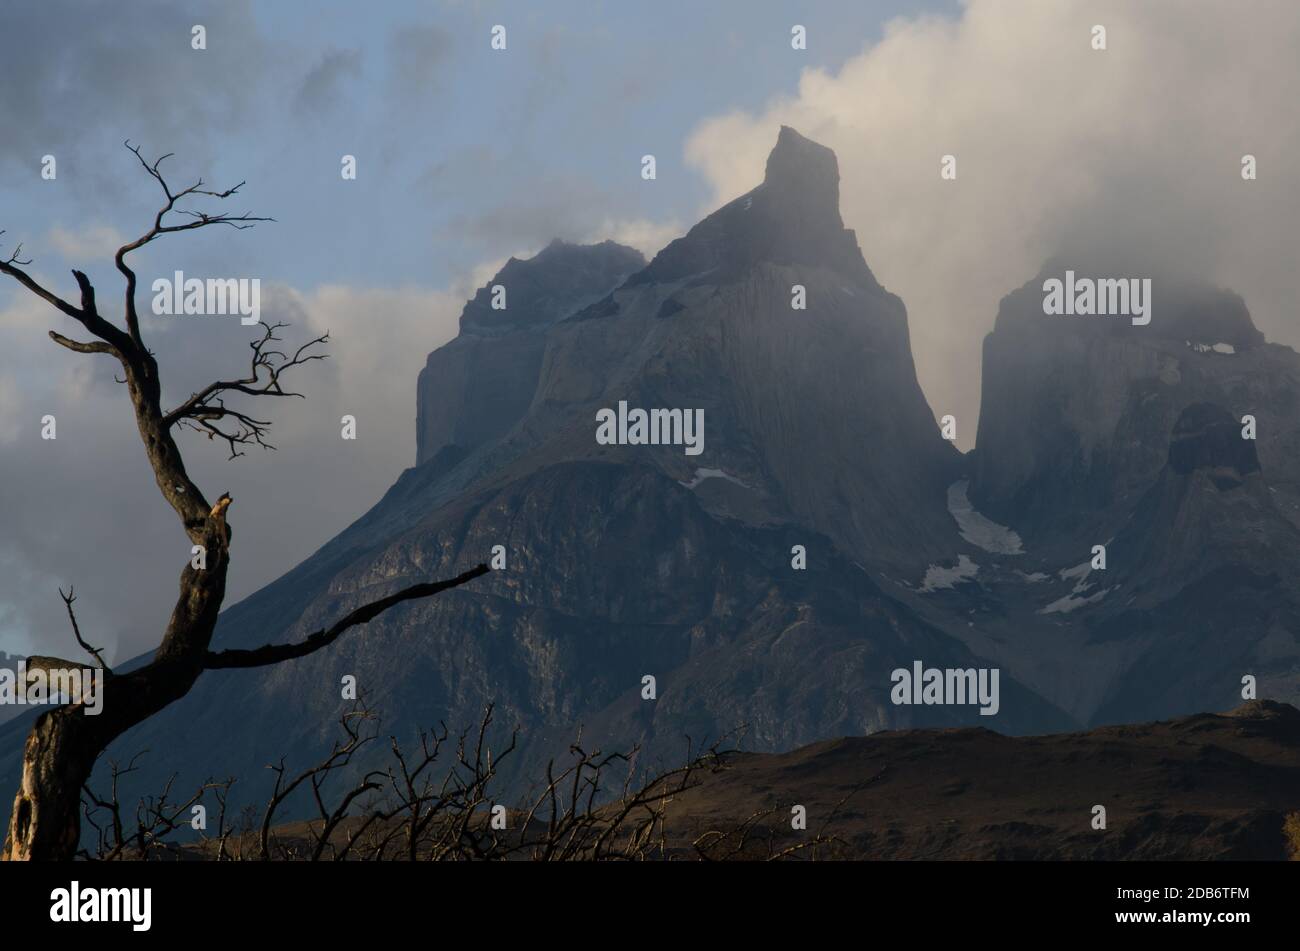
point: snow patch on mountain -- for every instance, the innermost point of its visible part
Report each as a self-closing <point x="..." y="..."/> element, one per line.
<point x="980" y="531"/>
<point x="938" y="577"/>
<point x="1071" y="602"/>
<point x="702" y="474"/>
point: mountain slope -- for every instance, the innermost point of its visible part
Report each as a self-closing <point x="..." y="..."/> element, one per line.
<point x="1206" y="579"/>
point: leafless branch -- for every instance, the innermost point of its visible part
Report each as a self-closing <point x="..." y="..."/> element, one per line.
<point x="156" y="819"/>
<point x="160" y="227"/>
<point x="95" y="652"/>
<point x="277" y="653"/>
<point x="265" y="378"/>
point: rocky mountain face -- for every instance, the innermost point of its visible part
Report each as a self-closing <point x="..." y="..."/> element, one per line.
<point x="1155" y="561"/>
<point x="710" y="324"/>
<point x="1206" y="567"/>
<point x="792" y="528"/>
<point x="1076" y="412"/>
<point x="477" y="387"/>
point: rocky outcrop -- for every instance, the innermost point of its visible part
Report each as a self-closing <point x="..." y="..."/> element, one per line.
<point x="1100" y="433"/>
<point x="1204" y="580"/>
<point x="1207" y="437"/>
<point x="474" y="389"/>
<point x="1076" y="411"/>
<point x="710" y="324"/>
<point x="792" y="218"/>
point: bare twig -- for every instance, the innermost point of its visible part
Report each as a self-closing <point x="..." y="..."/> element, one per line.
<point x="95" y="652"/>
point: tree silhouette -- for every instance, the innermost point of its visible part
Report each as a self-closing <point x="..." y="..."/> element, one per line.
<point x="64" y="743"/>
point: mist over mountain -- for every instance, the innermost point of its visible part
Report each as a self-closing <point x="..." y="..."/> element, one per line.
<point x="825" y="535"/>
<point x="1076" y="417"/>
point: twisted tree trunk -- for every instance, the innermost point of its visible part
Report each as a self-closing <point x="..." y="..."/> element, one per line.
<point x="65" y="742"/>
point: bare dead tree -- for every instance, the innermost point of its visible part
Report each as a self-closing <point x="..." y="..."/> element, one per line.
<point x="157" y="817"/>
<point x="353" y="724"/>
<point x="64" y="743"/>
<point x="407" y="811"/>
<point x="570" y="820"/>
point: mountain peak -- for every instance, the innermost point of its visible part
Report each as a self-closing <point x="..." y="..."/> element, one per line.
<point x="792" y="218"/>
<point x="805" y="170"/>
<point x="546" y="287"/>
<point x="476" y="387"/>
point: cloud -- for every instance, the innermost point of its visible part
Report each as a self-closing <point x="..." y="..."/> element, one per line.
<point x="11" y="400"/>
<point x="416" y="54"/>
<point x="322" y="87"/>
<point x="96" y="241"/>
<point x="1060" y="148"/>
<point x="83" y="510"/>
<point x="81" y="77"/>
<point x="533" y="213"/>
<point x="648" y="237"/>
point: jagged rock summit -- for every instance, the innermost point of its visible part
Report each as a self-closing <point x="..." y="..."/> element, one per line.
<point x="1149" y="473"/>
<point x="792" y="218"/>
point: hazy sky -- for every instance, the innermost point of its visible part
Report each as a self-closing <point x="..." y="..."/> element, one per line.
<point x="468" y="155"/>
